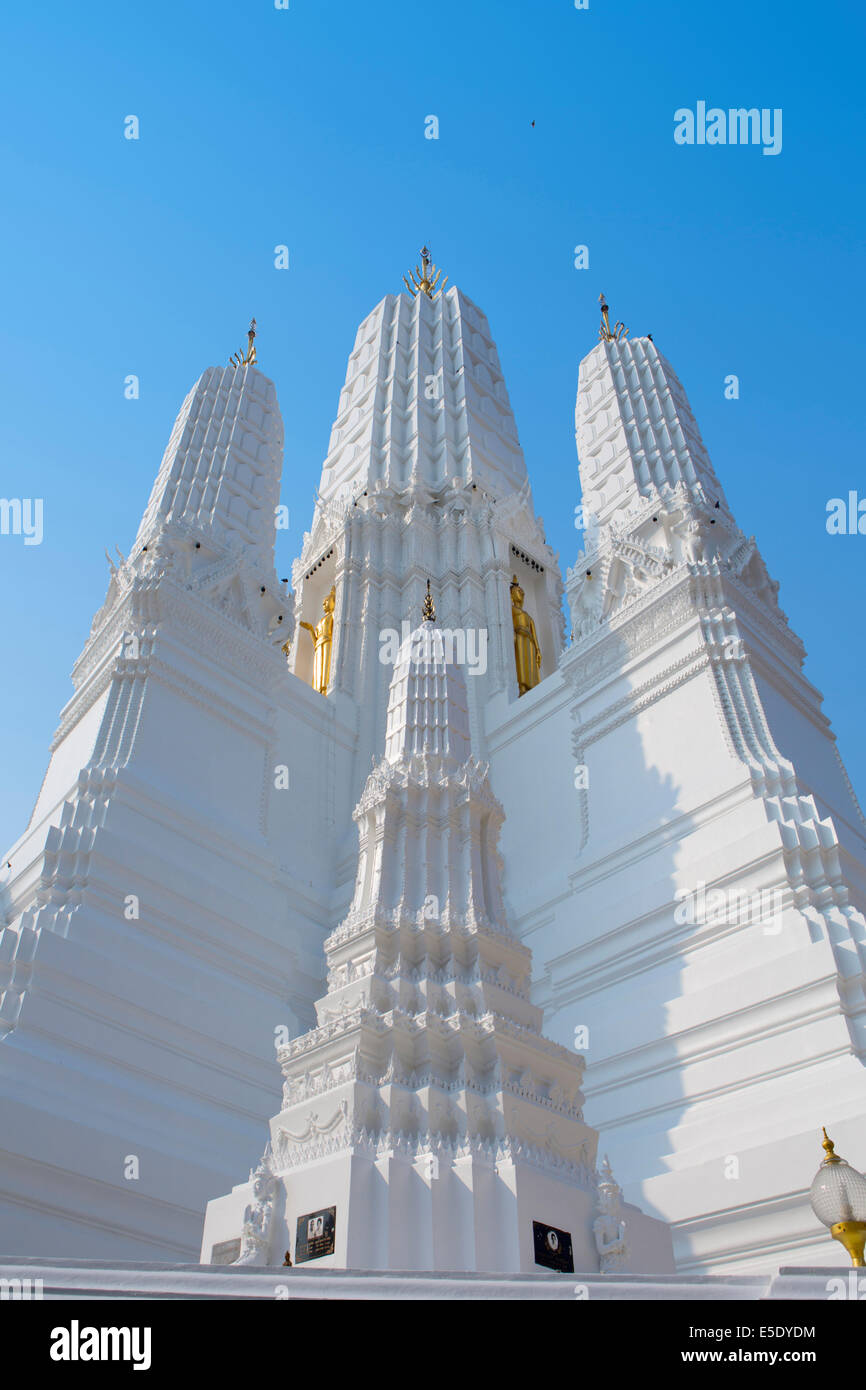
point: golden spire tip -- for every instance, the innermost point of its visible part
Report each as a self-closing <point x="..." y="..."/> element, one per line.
<point x="606" y="333"/>
<point x="424" y="279"/>
<point x="248" y="358"/>
<point x="829" y="1148"/>
<point x="428" y="608"/>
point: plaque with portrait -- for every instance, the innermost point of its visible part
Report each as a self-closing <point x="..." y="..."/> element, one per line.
<point x="553" y="1248"/>
<point x="315" y="1235"/>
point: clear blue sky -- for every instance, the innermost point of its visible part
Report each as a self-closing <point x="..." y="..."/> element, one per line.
<point x="306" y="127"/>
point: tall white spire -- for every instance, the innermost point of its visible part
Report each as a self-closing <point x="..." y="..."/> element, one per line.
<point x="159" y="843"/>
<point x="426" y="1114"/>
<point x="636" y="434"/>
<point x="717" y="866"/>
<point x="650" y="497"/>
<point x="221" y="468"/>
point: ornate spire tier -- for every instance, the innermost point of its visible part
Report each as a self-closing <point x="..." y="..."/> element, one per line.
<point x="428" y="1066"/>
<point x="424" y="402"/>
<point x="220" y="473"/>
<point x="424" y="477"/>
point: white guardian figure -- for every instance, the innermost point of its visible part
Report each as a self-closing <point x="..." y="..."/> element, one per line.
<point x="608" y="1228"/>
<point x="255" y="1237"/>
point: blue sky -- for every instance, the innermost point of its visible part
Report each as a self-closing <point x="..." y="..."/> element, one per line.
<point x="306" y="127"/>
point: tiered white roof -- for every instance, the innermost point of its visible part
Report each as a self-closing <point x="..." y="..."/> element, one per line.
<point x="636" y="433"/>
<point x="221" y="466"/>
<point x="427" y="707"/>
<point x="650" y="495"/>
<point x="424" y="403"/>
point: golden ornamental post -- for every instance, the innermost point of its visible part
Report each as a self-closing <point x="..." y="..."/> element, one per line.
<point x="605" y="332"/>
<point x="424" y="280"/>
<point x="248" y="358"/>
<point x="428" y="608"/>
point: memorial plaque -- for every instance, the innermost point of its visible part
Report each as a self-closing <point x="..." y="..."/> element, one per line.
<point x="226" y="1252"/>
<point x="315" y="1235"/>
<point x="553" y="1247"/>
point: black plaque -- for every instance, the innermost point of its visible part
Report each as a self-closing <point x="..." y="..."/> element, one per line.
<point x="553" y="1247"/>
<point x="315" y="1235"/>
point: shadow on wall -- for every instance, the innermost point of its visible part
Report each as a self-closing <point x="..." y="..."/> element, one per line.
<point x="591" y="846"/>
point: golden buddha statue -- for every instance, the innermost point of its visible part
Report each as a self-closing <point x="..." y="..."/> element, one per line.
<point x="527" y="652"/>
<point x="323" y="640"/>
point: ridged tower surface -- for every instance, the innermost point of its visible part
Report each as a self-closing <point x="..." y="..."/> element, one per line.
<point x="424" y="403"/>
<point x="427" y="1022"/>
<point x="424" y="478"/>
<point x="221" y="467"/>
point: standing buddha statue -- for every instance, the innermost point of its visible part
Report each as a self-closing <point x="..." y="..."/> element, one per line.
<point x="323" y="640"/>
<point x="527" y="652"/>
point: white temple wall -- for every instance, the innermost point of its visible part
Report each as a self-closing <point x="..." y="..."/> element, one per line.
<point x="699" y="1035"/>
<point x="68" y="758"/>
<point x="673" y="745"/>
<point x="811" y="748"/>
<point x="455" y="1243"/>
<point x="227" y="788"/>
<point x="314" y="741"/>
<point x="729" y="1218"/>
<point x="532" y="773"/>
<point x="54" y="1203"/>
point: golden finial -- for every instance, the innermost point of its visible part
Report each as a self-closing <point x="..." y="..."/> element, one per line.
<point x="239" y="359"/>
<point x="428" y="610"/>
<point x="605" y="332"/>
<point x="424" y="281"/>
<point x="829" y="1148"/>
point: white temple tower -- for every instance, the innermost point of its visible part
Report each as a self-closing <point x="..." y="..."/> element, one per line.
<point x="707" y="928"/>
<point x="426" y="1121"/>
<point x="166" y="904"/>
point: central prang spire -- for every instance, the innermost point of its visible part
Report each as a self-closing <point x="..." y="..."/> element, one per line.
<point x="424" y="477"/>
<point x="425" y="1119"/>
